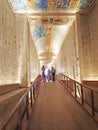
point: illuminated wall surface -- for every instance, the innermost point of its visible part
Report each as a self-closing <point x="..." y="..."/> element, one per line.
<point x="50" y="4"/>
<point x="14" y="32"/>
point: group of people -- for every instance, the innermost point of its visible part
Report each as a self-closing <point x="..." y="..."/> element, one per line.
<point x="48" y="74"/>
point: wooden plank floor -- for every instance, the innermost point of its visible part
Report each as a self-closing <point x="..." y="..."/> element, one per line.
<point x="55" y="109"/>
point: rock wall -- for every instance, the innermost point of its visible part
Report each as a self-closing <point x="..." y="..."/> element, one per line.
<point x="15" y="48"/>
<point x="88" y="44"/>
<point x="78" y="57"/>
<point x="67" y="61"/>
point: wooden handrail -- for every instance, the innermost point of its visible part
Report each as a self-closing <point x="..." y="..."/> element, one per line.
<point x="86" y="86"/>
<point x="81" y="88"/>
<point x="26" y="97"/>
<point x="13" y="112"/>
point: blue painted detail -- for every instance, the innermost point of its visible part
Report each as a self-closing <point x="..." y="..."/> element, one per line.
<point x="83" y="4"/>
<point x="39" y="31"/>
<point x="62" y="4"/>
<point x="41" y="4"/>
<point x="19" y="4"/>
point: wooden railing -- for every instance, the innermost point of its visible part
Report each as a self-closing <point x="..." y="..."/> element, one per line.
<point x="85" y="95"/>
<point x="22" y="108"/>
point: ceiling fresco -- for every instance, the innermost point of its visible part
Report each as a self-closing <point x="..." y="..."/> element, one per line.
<point x="48" y="23"/>
<point x="85" y="4"/>
<point x="48" y="37"/>
<point x="39" y="30"/>
<point x="37" y="5"/>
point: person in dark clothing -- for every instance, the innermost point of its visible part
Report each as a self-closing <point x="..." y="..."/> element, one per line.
<point x="43" y="72"/>
<point x="53" y="71"/>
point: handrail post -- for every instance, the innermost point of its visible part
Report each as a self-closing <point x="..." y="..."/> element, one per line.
<point x="64" y="77"/>
<point x="92" y="102"/>
<point x="4" y="128"/>
<point x="82" y="95"/>
<point x="64" y="81"/>
<point x="75" y="89"/>
<point x="31" y="97"/>
<point x="20" y="125"/>
<point x="67" y="82"/>
<point x="27" y="106"/>
<point x="20" y="118"/>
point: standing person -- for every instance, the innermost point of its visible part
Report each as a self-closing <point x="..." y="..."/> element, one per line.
<point x="43" y="72"/>
<point x="49" y="72"/>
<point x="53" y="71"/>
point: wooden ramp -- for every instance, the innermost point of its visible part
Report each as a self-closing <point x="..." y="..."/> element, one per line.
<point x="55" y="109"/>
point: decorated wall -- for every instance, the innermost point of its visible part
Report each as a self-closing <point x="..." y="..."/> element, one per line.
<point x="34" y="61"/>
<point x="88" y="44"/>
<point x="78" y="57"/>
<point x="67" y="60"/>
<point x="93" y="24"/>
<point x="14" y="47"/>
<point x="84" y="45"/>
<point x="8" y="46"/>
<point x="18" y="51"/>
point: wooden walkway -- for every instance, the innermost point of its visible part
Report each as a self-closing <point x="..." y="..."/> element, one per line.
<point x="55" y="109"/>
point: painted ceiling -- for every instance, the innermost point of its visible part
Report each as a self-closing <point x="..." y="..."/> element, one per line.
<point x="49" y="36"/>
<point x="49" y="28"/>
<point x="36" y="5"/>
